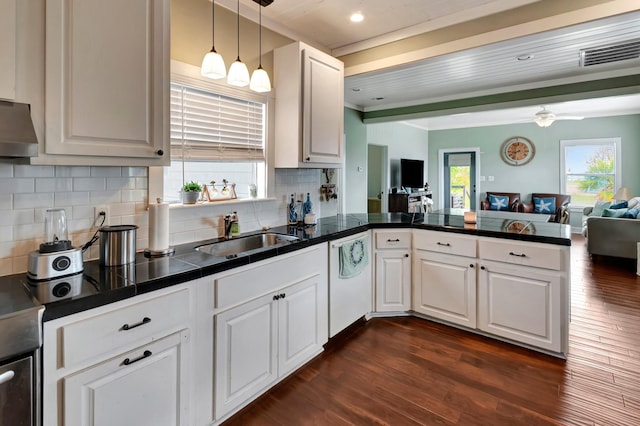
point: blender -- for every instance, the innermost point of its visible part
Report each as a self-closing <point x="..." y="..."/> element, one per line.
<point x="56" y="257"/>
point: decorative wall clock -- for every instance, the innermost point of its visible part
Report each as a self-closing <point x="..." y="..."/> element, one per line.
<point x="517" y="151"/>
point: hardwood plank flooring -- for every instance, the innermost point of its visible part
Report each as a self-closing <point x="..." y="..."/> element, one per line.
<point x="409" y="371"/>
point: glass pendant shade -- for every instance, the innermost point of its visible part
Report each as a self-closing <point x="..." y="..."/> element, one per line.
<point x="260" y="81"/>
<point x="238" y="74"/>
<point x="213" y="65"/>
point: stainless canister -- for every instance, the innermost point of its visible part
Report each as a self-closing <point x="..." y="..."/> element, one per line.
<point x="117" y="245"/>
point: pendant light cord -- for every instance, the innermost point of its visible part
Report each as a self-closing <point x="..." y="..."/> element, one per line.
<point x="238" y="27"/>
<point x="213" y="25"/>
<point x="260" y="37"/>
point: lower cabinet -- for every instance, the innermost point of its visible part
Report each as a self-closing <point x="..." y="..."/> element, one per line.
<point x="265" y="339"/>
<point x="444" y="287"/>
<point x="521" y="304"/>
<point x="126" y="363"/>
<point x="392" y="270"/>
<point x="139" y="387"/>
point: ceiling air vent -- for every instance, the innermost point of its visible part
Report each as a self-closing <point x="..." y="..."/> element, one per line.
<point x="611" y="53"/>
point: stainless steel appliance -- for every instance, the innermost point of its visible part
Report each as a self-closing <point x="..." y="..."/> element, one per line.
<point x="56" y="257"/>
<point x="117" y="245"/>
<point x="20" y="342"/>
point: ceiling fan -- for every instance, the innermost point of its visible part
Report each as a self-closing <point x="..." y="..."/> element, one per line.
<point x="545" y="118"/>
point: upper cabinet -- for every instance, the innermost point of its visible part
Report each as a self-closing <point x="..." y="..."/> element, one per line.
<point x="309" y="107"/>
<point x="107" y="80"/>
<point x="8" y="49"/>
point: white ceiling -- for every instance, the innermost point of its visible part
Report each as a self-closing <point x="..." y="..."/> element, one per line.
<point x="488" y="69"/>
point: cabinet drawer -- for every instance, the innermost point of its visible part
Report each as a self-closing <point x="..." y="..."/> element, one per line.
<point x="445" y="242"/>
<point x="135" y="324"/>
<point x="527" y="254"/>
<point x="244" y="284"/>
<point x="393" y="240"/>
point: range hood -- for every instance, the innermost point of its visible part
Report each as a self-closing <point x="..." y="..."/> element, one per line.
<point x="17" y="135"/>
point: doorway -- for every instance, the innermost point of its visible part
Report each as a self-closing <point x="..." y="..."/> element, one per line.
<point x="458" y="175"/>
<point x="377" y="178"/>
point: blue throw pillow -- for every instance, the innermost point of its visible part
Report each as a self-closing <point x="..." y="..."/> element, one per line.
<point x="631" y="214"/>
<point x="620" y="205"/>
<point x="614" y="212"/>
<point x="544" y="205"/>
<point x="499" y="202"/>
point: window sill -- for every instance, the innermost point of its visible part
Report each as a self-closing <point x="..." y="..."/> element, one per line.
<point x="220" y="203"/>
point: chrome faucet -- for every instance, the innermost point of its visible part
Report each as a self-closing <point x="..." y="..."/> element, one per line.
<point x="229" y="220"/>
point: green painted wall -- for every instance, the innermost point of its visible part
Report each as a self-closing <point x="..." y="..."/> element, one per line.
<point x="542" y="174"/>
<point x="355" y="159"/>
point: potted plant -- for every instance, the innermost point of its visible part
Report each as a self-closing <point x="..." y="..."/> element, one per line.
<point x="191" y="192"/>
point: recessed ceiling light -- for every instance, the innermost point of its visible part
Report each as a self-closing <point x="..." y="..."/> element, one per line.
<point x="524" y="57"/>
<point x="357" y="17"/>
<point x="355" y="89"/>
<point x="379" y="98"/>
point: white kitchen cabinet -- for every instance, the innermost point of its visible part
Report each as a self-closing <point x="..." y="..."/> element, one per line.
<point x="444" y="276"/>
<point x="309" y="121"/>
<point x="107" y="80"/>
<point x="444" y="287"/>
<point x="523" y="292"/>
<point x="8" y="49"/>
<point x="264" y="321"/>
<point x="140" y="387"/>
<point x="133" y="354"/>
<point x="393" y="270"/>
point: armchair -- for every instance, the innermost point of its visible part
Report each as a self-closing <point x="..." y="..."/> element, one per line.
<point x="561" y="212"/>
<point x="513" y="205"/>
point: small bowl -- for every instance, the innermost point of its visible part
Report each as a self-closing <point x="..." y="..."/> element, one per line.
<point x="310" y="219"/>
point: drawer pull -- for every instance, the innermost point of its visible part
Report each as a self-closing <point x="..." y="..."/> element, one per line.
<point x="516" y="254"/>
<point x="443" y="244"/>
<point x="397" y="240"/>
<point x="144" y="355"/>
<point x="145" y="320"/>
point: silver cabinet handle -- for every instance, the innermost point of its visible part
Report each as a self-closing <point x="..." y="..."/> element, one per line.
<point x="6" y="376"/>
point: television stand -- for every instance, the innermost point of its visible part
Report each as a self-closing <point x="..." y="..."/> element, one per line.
<point x="415" y="202"/>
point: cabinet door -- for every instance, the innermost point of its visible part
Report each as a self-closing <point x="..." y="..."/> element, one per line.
<point x="146" y="386"/>
<point x="444" y="287"/>
<point x="323" y="108"/>
<point x="245" y="348"/>
<point x="393" y="281"/>
<point x="522" y="304"/>
<point x="303" y="323"/>
<point x="107" y="79"/>
<point x="8" y="49"/>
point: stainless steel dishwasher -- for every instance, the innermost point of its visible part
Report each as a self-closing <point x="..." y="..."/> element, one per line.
<point x="20" y="342"/>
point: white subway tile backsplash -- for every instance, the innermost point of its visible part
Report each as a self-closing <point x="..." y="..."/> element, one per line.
<point x="134" y="171"/>
<point x="106" y="171"/>
<point x="75" y="171"/>
<point x="6" y="233"/>
<point x="54" y="184"/>
<point x="32" y="201"/>
<point x="6" y="265"/>
<point x="23" y="170"/>
<point x="121" y="183"/>
<point x="28" y="232"/>
<point x="133" y="195"/>
<point x="65" y="199"/>
<point x="6" y="170"/>
<point x="90" y="184"/>
<point x="16" y="185"/>
<point x="104" y="197"/>
<point x="19" y="217"/>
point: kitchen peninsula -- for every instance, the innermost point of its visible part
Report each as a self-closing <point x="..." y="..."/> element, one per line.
<point x="161" y="317"/>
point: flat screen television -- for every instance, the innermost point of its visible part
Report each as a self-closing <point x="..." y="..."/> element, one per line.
<point x="411" y="173"/>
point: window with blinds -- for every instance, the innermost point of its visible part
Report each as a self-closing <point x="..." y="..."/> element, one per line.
<point x="207" y="126"/>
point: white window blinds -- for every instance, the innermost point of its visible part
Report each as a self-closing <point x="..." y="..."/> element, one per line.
<point x="209" y="126"/>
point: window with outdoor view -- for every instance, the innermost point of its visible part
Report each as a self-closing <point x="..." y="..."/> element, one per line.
<point x="590" y="169"/>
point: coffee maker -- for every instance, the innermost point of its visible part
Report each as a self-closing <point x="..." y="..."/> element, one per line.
<point x="56" y="257"/>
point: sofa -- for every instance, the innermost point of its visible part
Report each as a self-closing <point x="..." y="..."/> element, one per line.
<point x="611" y="236"/>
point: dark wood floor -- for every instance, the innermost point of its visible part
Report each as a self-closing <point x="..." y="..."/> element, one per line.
<point x="408" y="371"/>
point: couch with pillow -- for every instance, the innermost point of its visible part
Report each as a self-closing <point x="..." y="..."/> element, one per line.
<point x="613" y="229"/>
<point x="502" y="201"/>
<point x="555" y="205"/>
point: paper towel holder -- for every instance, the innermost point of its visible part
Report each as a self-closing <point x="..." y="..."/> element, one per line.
<point x="169" y="251"/>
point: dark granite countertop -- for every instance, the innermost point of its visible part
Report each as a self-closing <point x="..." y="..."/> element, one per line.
<point x="98" y="286"/>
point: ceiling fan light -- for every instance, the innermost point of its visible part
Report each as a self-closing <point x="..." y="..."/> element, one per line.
<point x="544" y="121"/>
<point x="213" y="65"/>
<point x="238" y="74"/>
<point x="260" y="81"/>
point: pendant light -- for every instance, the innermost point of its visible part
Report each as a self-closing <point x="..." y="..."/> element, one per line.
<point x="238" y="72"/>
<point x="260" y="79"/>
<point x="213" y="65"/>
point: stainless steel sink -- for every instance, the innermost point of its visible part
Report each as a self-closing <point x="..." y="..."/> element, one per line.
<point x="240" y="245"/>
